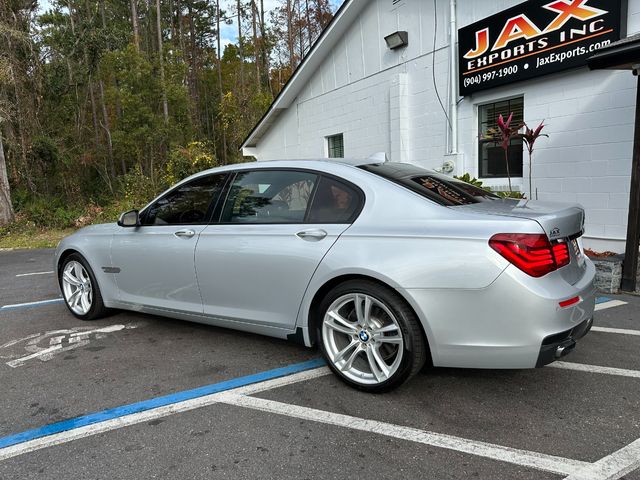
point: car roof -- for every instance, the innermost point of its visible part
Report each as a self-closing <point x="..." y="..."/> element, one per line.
<point x="354" y="162"/>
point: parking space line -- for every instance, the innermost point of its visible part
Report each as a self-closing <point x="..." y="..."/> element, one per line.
<point x="42" y="303"/>
<point x="580" y="367"/>
<point x="609" y="304"/>
<point x="56" y="433"/>
<point x="620" y="331"/>
<point x="515" y="456"/>
<point x="613" y="466"/>
<point x="283" y="381"/>
<point x="32" y="274"/>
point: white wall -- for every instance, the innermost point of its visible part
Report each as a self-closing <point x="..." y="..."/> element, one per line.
<point x="384" y="100"/>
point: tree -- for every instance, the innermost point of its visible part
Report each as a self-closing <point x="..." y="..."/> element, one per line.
<point x="96" y="96"/>
<point x="6" y="208"/>
<point x="165" y="104"/>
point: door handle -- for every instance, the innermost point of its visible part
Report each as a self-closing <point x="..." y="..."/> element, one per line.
<point x="314" y="235"/>
<point x="185" y="233"/>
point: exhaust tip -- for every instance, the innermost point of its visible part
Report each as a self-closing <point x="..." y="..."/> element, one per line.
<point x="565" y="348"/>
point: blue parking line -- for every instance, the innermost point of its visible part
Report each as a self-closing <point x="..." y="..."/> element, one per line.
<point x="21" y="306"/>
<point x="150" y="404"/>
<point x="602" y="300"/>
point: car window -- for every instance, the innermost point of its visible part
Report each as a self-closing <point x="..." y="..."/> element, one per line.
<point x="334" y="202"/>
<point x="188" y="204"/>
<point x="434" y="186"/>
<point x="269" y="196"/>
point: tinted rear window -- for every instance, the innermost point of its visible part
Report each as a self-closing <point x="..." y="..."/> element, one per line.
<point x="434" y="186"/>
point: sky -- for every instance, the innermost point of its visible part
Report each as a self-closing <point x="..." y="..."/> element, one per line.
<point x="229" y="32"/>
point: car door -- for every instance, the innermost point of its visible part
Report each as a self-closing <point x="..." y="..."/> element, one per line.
<point x="155" y="260"/>
<point x="275" y="227"/>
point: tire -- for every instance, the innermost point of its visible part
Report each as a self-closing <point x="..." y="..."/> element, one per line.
<point x="80" y="289"/>
<point x="374" y="352"/>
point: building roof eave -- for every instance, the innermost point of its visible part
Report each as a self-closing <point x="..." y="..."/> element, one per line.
<point x="621" y="55"/>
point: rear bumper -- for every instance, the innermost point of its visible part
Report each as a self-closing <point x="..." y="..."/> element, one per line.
<point x="561" y="344"/>
<point x="505" y="324"/>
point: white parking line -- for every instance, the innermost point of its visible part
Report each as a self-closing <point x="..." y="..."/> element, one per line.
<point x="613" y="466"/>
<point x="282" y="381"/>
<point x="523" y="458"/>
<point x="621" y="331"/>
<point x="41" y="303"/>
<point x="609" y="304"/>
<point x="34" y="273"/>
<point x="580" y="367"/>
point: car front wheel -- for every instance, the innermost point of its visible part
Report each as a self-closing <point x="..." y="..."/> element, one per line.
<point x="80" y="289"/>
<point x="370" y="337"/>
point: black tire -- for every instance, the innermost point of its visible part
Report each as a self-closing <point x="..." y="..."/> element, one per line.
<point x="97" y="309"/>
<point x="413" y="349"/>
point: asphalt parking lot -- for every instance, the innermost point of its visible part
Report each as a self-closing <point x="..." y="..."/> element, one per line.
<point x="138" y="396"/>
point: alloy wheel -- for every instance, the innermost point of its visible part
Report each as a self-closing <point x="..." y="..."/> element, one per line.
<point x="77" y="288"/>
<point x="362" y="338"/>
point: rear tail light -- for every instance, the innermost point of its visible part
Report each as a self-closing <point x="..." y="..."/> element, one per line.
<point x="531" y="253"/>
<point x="561" y="254"/>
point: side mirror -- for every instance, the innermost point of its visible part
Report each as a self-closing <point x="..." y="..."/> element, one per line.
<point x="129" y="219"/>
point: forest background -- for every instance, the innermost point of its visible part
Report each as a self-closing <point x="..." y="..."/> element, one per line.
<point x="103" y="104"/>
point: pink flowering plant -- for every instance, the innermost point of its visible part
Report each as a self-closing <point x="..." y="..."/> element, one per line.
<point x="529" y="137"/>
<point x="507" y="132"/>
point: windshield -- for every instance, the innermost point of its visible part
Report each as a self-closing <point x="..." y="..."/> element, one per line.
<point x="434" y="186"/>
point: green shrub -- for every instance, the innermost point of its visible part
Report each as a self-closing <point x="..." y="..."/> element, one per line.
<point x="185" y="161"/>
<point x="136" y="189"/>
<point x="473" y="181"/>
<point x="47" y="212"/>
<point x="514" y="194"/>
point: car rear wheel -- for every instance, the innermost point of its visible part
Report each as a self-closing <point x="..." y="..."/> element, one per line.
<point x="370" y="337"/>
<point x="80" y="289"/>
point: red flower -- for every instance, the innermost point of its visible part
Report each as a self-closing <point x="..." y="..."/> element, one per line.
<point x="530" y="136"/>
<point x="506" y="131"/>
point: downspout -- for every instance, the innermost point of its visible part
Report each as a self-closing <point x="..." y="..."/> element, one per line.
<point x="453" y="75"/>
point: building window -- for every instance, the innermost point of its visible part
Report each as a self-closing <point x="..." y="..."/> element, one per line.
<point x="490" y="153"/>
<point x="335" y="146"/>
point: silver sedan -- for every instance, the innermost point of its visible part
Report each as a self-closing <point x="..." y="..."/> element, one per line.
<point x="385" y="266"/>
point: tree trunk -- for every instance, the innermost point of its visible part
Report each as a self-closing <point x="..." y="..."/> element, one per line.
<point x="224" y="134"/>
<point x="106" y="125"/>
<point x="300" y="31"/>
<point x="240" y="44"/>
<point x="292" y="65"/>
<point x="94" y="115"/>
<point x="165" y="104"/>
<point x="180" y="34"/>
<point x="265" y="57"/>
<point x="92" y="97"/>
<point x="21" y="129"/>
<point x="310" y="26"/>
<point x="134" y="22"/>
<point x="193" y="71"/>
<point x="173" y="25"/>
<point x="256" y="46"/>
<point x="6" y="209"/>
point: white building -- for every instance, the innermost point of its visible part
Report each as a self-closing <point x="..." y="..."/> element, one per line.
<point x="355" y="96"/>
